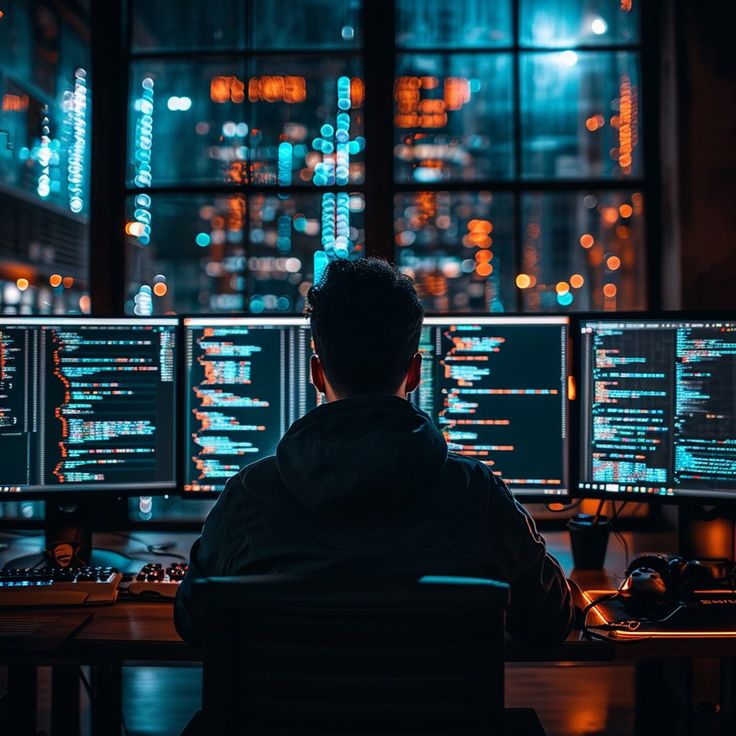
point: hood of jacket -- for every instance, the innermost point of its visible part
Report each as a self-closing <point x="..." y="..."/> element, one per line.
<point x="371" y="455"/>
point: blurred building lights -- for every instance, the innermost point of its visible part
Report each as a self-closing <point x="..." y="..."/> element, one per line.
<point x="626" y="124"/>
<point x="77" y="114"/>
<point x="285" y="158"/>
<point x="276" y="88"/>
<point x="22" y="284"/>
<point x="14" y="103"/>
<point x="227" y="89"/>
<point x="11" y="294"/>
<point x="357" y="91"/>
<point x="595" y="122"/>
<point x="143" y="301"/>
<point x="180" y="104"/>
<point x="456" y="92"/>
<point x="142" y="157"/>
<point x="565" y="299"/>
<point x="576" y="281"/>
<point x="586" y="240"/>
<point x="44" y="154"/>
<point x="598" y="26"/>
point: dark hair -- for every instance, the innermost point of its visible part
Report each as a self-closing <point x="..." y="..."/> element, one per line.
<point x="366" y="321"/>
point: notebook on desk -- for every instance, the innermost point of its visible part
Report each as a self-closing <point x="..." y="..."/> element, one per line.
<point x="706" y="614"/>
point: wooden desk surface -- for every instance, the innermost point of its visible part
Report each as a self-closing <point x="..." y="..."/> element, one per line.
<point x="141" y="630"/>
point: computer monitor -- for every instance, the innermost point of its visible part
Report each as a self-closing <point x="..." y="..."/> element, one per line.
<point x="495" y="386"/>
<point x="658" y="408"/>
<point x="497" y="389"/>
<point x="246" y="381"/>
<point x="87" y="404"/>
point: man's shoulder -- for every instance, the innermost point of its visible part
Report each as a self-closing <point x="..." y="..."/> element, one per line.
<point x="478" y="482"/>
<point x="478" y="474"/>
<point x="256" y="471"/>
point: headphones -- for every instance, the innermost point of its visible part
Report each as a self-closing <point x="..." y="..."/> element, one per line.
<point x="653" y="581"/>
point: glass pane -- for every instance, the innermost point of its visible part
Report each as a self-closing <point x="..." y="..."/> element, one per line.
<point x="459" y="249"/>
<point x="565" y="23"/>
<point x="456" y="25"/>
<point x="580" y="115"/>
<point x="190" y="253"/>
<point x="165" y="25"/>
<point x="18" y="34"/>
<point x="185" y="253"/>
<point x="453" y="117"/>
<point x="285" y="234"/>
<point x="306" y="124"/>
<point x="44" y="130"/>
<point x="307" y="24"/>
<point x="293" y="121"/>
<point x="187" y="122"/>
<point x="582" y="251"/>
<point x="44" y="160"/>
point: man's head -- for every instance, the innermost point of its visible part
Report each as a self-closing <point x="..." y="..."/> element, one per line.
<point x="366" y="321"/>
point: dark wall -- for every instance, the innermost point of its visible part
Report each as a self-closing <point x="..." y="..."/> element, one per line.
<point x="699" y="155"/>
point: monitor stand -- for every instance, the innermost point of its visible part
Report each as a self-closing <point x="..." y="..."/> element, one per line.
<point x="68" y="527"/>
<point x="707" y="532"/>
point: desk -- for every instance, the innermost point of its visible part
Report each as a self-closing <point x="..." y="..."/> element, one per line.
<point x="135" y="631"/>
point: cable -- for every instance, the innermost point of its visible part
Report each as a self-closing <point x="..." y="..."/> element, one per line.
<point x="620" y="509"/>
<point x="602" y="599"/>
<point x="158" y="550"/>
<point x="88" y="689"/>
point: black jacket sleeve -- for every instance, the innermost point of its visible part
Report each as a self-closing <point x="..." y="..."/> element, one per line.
<point x="541" y="611"/>
<point x="223" y="538"/>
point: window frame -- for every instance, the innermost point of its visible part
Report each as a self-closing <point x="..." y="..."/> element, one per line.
<point x="112" y="51"/>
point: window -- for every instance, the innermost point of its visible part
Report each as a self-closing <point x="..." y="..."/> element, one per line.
<point x="514" y="134"/>
<point x="517" y="154"/>
<point x="246" y="153"/>
<point x="44" y="158"/>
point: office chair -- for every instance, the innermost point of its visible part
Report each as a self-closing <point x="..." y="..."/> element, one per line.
<point x="388" y="656"/>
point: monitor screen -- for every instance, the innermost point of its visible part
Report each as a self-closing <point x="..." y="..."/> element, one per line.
<point x="497" y="389"/>
<point x="247" y="380"/>
<point x="658" y="407"/>
<point x="87" y="404"/>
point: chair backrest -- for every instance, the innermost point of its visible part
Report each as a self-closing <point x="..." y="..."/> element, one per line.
<point x="346" y="655"/>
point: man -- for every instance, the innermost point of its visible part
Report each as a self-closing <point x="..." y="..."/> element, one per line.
<point x="365" y="484"/>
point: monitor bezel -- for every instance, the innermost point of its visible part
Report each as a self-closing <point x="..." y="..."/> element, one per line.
<point x="68" y="492"/>
<point x="578" y="319"/>
<point x="563" y="320"/>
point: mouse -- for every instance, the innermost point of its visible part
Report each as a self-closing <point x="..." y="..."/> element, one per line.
<point x="643" y="588"/>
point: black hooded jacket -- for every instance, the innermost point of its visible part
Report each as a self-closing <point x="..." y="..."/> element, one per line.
<point x="366" y="485"/>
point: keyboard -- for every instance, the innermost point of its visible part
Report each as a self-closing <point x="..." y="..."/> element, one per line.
<point x="56" y="586"/>
<point x="156" y="581"/>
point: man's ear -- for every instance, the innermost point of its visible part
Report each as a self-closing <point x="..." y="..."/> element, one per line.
<point x="318" y="374"/>
<point x="414" y="374"/>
